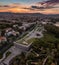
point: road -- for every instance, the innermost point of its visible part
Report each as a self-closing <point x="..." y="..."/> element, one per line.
<point x="45" y="60"/>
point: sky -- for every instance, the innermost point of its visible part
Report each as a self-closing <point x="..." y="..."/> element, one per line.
<point x="30" y="6"/>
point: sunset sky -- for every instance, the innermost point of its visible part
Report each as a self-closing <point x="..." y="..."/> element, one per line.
<point x="30" y="6"/>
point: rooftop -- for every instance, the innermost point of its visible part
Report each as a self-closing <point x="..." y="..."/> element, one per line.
<point x="2" y="38"/>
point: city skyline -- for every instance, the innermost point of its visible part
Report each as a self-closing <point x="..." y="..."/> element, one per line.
<point x="30" y="6"/>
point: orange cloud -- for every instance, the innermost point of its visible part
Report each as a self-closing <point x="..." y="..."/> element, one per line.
<point x="51" y="11"/>
<point x="21" y="8"/>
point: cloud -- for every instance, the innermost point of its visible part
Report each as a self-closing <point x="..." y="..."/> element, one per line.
<point x="40" y="7"/>
<point x="49" y="4"/>
<point x="4" y="6"/>
<point x="43" y="8"/>
<point x="13" y="5"/>
<point x="52" y="1"/>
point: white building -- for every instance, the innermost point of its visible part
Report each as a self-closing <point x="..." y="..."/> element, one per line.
<point x="57" y="24"/>
<point x="24" y="45"/>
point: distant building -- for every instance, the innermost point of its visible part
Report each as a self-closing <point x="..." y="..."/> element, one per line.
<point x="2" y="39"/>
<point x="10" y="32"/>
<point x="8" y="29"/>
<point x="57" y="24"/>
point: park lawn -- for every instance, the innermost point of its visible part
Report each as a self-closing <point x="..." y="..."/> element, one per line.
<point x="49" y="38"/>
<point x="31" y="40"/>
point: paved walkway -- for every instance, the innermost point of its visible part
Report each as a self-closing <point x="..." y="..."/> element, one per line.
<point x="45" y="60"/>
<point x="33" y="33"/>
<point x="15" y="51"/>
